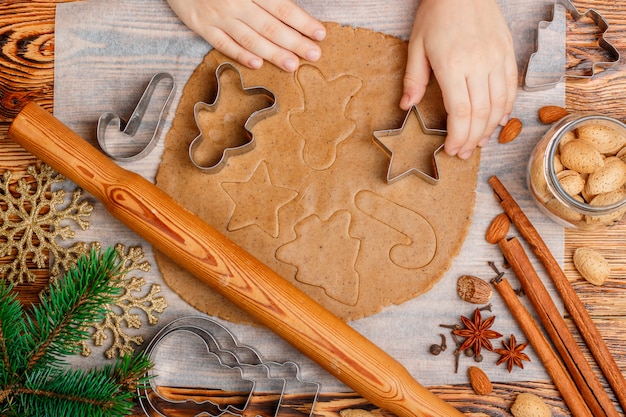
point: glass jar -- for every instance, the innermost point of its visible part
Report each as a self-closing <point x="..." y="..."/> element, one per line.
<point x="581" y="185"/>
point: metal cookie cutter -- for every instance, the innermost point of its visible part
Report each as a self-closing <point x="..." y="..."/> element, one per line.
<point x="230" y="378"/>
<point x="545" y="68"/>
<point x="254" y="118"/>
<point x="113" y="129"/>
<point x="380" y="137"/>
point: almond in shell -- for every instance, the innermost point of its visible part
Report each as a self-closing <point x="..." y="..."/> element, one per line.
<point x="530" y="405"/>
<point x="610" y="177"/>
<point x="581" y="156"/>
<point x="605" y="139"/>
<point x="473" y="289"/>
<point x="354" y="412"/>
<point x="571" y="181"/>
<point x="607" y="199"/>
<point x="567" y="137"/>
<point x="479" y="381"/>
<point x="591" y="265"/>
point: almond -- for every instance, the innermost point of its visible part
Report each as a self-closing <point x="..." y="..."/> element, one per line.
<point x="473" y="289"/>
<point x="498" y="228"/>
<point x="510" y="131"/>
<point x="479" y="381"/>
<point x="551" y="114"/>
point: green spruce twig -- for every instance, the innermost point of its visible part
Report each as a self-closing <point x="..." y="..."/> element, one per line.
<point x="33" y="379"/>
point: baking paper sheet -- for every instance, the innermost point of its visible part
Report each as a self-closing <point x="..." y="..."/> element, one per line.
<point x="107" y="50"/>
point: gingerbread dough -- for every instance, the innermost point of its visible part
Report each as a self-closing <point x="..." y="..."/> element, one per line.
<point x="311" y="200"/>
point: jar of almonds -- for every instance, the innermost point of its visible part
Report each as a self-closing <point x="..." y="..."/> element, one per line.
<point x="577" y="171"/>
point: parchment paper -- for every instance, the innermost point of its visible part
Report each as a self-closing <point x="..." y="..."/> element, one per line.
<point x="106" y="51"/>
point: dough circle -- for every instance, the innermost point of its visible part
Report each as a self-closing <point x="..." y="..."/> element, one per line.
<point x="311" y="200"/>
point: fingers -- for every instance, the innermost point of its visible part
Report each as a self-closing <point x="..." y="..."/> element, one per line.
<point x="275" y="40"/>
<point x="416" y="77"/>
<point x="251" y="31"/>
<point x="456" y="100"/>
<point x="295" y="17"/>
<point x="476" y="104"/>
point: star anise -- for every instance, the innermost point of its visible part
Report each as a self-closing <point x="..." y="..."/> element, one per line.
<point x="512" y="354"/>
<point x="477" y="333"/>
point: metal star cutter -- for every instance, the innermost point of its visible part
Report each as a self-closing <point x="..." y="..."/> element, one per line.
<point x="413" y="148"/>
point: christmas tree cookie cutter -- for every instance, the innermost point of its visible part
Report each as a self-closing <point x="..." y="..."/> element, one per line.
<point x="113" y="129"/>
<point x="245" y="383"/>
<point x="254" y="118"/>
<point x="381" y="138"/>
<point x="546" y="69"/>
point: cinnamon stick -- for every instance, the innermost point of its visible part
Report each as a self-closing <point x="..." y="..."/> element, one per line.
<point x="576" y="308"/>
<point x="540" y="344"/>
<point x="553" y="322"/>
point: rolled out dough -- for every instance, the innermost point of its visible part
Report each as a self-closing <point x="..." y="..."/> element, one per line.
<point x="311" y="199"/>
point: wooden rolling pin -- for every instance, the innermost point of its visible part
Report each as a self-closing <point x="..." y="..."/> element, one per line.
<point x="227" y="268"/>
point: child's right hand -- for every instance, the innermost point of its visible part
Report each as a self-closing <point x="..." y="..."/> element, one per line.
<point x="250" y="32"/>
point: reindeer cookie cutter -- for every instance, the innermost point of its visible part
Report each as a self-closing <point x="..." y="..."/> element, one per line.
<point x="540" y="73"/>
<point x="254" y="118"/>
<point x="112" y="127"/>
<point x="247" y="384"/>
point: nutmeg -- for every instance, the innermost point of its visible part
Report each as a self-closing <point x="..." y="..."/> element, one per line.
<point x="473" y="289"/>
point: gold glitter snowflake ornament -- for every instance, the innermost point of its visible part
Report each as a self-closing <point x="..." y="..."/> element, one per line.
<point x="123" y="314"/>
<point x="33" y="219"/>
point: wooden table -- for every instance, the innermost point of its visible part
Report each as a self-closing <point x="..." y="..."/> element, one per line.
<point x="26" y="73"/>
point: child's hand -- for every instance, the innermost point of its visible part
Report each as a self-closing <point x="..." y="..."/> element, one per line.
<point x="469" y="48"/>
<point x="252" y="31"/>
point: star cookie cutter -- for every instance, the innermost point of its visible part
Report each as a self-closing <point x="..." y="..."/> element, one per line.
<point x="254" y="118"/>
<point x="128" y="129"/>
<point x="263" y="388"/>
<point x="428" y="177"/>
<point x="550" y="65"/>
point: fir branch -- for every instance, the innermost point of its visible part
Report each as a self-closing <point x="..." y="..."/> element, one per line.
<point x="11" y="331"/>
<point x="130" y="371"/>
<point x="32" y="383"/>
<point x="74" y="392"/>
<point x="59" y="323"/>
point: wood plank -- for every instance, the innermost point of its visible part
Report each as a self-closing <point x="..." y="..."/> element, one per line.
<point x="26" y="72"/>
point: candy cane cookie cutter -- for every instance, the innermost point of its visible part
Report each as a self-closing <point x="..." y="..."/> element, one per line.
<point x="111" y="126"/>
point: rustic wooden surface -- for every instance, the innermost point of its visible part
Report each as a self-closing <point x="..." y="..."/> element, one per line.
<point x="26" y="73"/>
